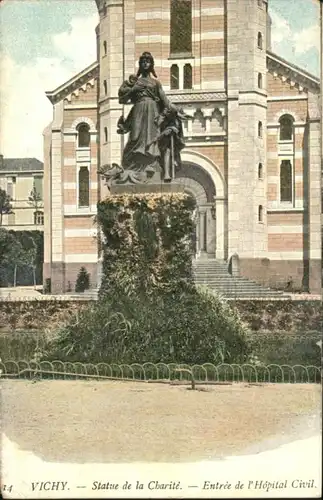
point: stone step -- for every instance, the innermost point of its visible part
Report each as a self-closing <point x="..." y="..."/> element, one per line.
<point x="254" y="293"/>
<point x="230" y="283"/>
<point x="224" y="279"/>
<point x="243" y="288"/>
<point x="214" y="274"/>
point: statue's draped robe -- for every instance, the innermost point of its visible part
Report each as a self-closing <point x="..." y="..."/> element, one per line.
<point x="142" y="148"/>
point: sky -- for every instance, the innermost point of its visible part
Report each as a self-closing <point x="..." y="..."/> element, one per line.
<point x="43" y="43"/>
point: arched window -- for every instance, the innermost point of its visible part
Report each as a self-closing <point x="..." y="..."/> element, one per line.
<point x="259" y="81"/>
<point x="286" y="123"/>
<point x="188" y="76"/>
<point x="259" y="42"/>
<point x="39" y="218"/>
<point x="259" y="129"/>
<point x="260" y="213"/>
<point x="174" y="77"/>
<point x="286" y="181"/>
<point x="84" y="137"/>
<point x="181" y="27"/>
<point x="105" y="48"/>
<point x="84" y="187"/>
<point x="105" y="87"/>
<point x="260" y="171"/>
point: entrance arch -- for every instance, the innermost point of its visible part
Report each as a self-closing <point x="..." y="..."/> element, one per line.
<point x="201" y="179"/>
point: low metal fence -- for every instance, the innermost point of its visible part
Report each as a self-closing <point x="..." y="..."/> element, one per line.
<point x="207" y="373"/>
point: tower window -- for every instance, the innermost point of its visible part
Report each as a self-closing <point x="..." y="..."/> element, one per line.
<point x="181" y="26"/>
<point x="259" y="40"/>
<point x="105" y="134"/>
<point x="260" y="132"/>
<point x="260" y="213"/>
<point x="188" y="76"/>
<point x="84" y="187"/>
<point x="260" y="171"/>
<point x="84" y="137"/>
<point x="286" y="128"/>
<point x="105" y="87"/>
<point x="286" y="181"/>
<point x="174" y="77"/>
<point x="105" y="48"/>
<point x="259" y="81"/>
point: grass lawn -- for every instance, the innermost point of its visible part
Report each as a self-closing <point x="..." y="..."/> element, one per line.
<point x="90" y="421"/>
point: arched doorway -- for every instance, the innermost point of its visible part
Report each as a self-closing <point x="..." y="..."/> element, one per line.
<point x="197" y="182"/>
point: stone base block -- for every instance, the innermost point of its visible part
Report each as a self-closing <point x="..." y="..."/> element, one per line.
<point x="161" y="188"/>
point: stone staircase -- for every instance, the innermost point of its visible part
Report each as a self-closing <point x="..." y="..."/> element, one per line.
<point x="214" y="274"/>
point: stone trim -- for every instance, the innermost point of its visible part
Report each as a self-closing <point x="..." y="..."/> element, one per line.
<point x="81" y="258"/>
<point x="83" y="119"/>
<point x="286" y="111"/>
<point x="287" y="98"/>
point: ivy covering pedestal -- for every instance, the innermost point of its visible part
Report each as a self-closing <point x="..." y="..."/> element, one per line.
<point x="147" y="242"/>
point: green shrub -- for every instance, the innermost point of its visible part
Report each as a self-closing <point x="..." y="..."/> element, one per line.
<point x="284" y="348"/>
<point x="82" y="280"/>
<point x="21" y="345"/>
<point x="184" y="325"/>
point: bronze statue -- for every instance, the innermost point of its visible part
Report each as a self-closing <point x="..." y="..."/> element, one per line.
<point x="154" y="127"/>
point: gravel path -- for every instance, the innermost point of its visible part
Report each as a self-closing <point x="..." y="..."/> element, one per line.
<point x="80" y="421"/>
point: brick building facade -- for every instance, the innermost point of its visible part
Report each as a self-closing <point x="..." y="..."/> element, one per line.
<point x="252" y="157"/>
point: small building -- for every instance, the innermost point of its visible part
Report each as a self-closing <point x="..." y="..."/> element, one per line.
<point x="19" y="177"/>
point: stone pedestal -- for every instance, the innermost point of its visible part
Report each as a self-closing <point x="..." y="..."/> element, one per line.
<point x="149" y="187"/>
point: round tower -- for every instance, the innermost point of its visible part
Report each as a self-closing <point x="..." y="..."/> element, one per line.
<point x="247" y="125"/>
<point x="110" y="54"/>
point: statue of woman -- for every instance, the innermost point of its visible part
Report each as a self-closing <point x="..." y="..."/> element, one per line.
<point x="142" y="152"/>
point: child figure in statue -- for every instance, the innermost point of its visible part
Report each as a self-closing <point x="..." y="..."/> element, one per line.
<point x="171" y="140"/>
<point x="123" y="125"/>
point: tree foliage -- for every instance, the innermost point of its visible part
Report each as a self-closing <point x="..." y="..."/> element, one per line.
<point x="82" y="280"/>
<point x="5" y="244"/>
<point x="22" y="259"/>
<point x="35" y="199"/>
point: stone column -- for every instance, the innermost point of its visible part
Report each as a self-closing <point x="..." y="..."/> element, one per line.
<point x="211" y="232"/>
<point x="47" y="204"/>
<point x="57" y="202"/>
<point x="314" y="197"/>
<point x="202" y="230"/>
<point x="220" y="228"/>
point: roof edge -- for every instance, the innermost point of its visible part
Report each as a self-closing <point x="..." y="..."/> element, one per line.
<point x="303" y="73"/>
<point x="51" y="94"/>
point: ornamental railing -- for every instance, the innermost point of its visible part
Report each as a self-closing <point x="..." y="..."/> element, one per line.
<point x="206" y="373"/>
